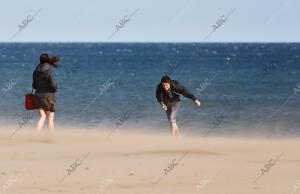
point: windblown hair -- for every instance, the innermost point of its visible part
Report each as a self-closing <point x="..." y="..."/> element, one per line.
<point x="44" y="58"/>
<point x="165" y="79"/>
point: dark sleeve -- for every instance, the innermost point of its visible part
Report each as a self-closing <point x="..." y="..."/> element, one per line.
<point x="158" y="94"/>
<point x="33" y="81"/>
<point x="52" y="81"/>
<point x="183" y="91"/>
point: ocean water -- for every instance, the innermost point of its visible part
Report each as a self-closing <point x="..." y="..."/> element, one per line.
<point x="244" y="88"/>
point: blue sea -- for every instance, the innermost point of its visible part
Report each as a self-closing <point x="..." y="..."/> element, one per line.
<point x="244" y="88"/>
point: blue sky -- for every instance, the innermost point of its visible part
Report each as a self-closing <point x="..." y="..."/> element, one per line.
<point x="153" y="21"/>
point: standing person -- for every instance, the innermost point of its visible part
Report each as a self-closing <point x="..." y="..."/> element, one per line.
<point x="168" y="95"/>
<point x="45" y="87"/>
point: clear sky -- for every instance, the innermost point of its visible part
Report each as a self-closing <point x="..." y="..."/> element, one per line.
<point x="152" y="20"/>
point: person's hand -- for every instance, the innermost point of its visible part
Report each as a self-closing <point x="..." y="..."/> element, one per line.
<point x="164" y="106"/>
<point x="197" y="102"/>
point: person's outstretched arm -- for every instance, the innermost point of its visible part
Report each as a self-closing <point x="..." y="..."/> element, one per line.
<point x="185" y="92"/>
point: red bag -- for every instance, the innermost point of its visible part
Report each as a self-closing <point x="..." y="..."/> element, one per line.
<point x="29" y="101"/>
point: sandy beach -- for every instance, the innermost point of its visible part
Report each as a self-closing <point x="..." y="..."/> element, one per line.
<point x="78" y="161"/>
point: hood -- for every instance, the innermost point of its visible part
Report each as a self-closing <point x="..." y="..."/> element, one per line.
<point x="43" y="67"/>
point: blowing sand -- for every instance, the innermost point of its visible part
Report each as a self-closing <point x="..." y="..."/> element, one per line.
<point x="37" y="162"/>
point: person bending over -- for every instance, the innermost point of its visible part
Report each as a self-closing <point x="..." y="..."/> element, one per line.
<point x="168" y="94"/>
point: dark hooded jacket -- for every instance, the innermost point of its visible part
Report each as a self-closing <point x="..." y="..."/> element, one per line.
<point x="44" y="81"/>
<point x="173" y="94"/>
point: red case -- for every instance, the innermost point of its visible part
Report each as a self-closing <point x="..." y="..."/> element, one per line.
<point x="29" y="102"/>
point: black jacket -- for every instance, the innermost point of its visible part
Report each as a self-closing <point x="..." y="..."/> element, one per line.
<point x="175" y="91"/>
<point x="44" y="81"/>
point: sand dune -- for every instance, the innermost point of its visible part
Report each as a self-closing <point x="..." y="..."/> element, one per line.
<point x="33" y="162"/>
